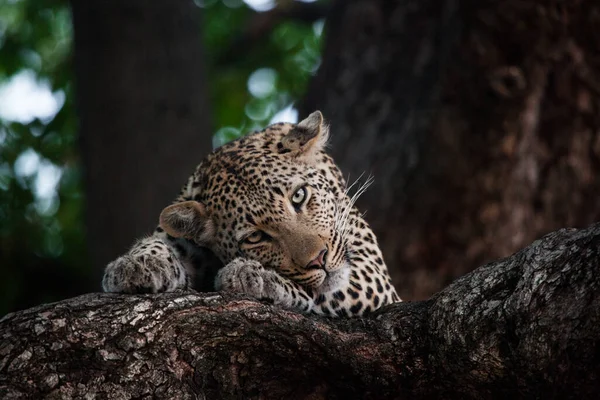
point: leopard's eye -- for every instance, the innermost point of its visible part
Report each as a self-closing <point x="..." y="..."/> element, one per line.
<point x="299" y="196"/>
<point x="255" y="237"/>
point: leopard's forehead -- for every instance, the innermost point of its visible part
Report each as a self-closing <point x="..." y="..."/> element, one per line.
<point x="254" y="171"/>
<point x="259" y="149"/>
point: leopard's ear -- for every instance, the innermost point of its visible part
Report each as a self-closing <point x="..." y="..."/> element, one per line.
<point x="189" y="220"/>
<point x="307" y="138"/>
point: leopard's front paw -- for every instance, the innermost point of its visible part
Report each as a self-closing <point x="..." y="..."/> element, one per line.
<point x="144" y="273"/>
<point x="242" y="276"/>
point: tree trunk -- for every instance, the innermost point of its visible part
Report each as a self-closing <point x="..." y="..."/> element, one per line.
<point x="478" y="119"/>
<point x="527" y="326"/>
<point x="145" y="120"/>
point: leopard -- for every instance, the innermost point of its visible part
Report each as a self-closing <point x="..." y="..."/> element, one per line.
<point x="274" y="208"/>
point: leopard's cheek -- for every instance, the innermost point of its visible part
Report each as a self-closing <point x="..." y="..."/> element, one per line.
<point x="276" y="258"/>
<point x="223" y="252"/>
<point x="266" y="255"/>
<point x="225" y="247"/>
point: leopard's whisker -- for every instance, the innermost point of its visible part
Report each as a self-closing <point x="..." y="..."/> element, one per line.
<point x="342" y="218"/>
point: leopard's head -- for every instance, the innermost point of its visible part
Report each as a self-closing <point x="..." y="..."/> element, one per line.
<point x="274" y="196"/>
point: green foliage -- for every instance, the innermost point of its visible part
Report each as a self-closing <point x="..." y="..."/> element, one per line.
<point x="252" y="79"/>
<point x="40" y="226"/>
<point x="41" y="195"/>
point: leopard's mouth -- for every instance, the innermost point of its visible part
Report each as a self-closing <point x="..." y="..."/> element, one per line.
<point x="315" y="279"/>
<point x="335" y="279"/>
<point x="326" y="280"/>
<point x="332" y="273"/>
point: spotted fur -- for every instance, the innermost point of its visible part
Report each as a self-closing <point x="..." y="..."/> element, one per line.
<point x="275" y="209"/>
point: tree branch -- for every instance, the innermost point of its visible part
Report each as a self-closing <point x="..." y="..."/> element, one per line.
<point x="526" y="326"/>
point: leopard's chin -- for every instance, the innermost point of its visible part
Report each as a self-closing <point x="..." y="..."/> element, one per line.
<point x="335" y="279"/>
<point x="320" y="279"/>
<point x="316" y="280"/>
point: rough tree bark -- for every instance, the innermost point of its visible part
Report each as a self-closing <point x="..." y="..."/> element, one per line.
<point x="478" y="119"/>
<point x="143" y="108"/>
<point x="527" y="326"/>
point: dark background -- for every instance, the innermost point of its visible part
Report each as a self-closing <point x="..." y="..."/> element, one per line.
<point x="478" y="119"/>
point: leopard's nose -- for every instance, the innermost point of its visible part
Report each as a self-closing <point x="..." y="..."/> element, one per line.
<point x="318" y="262"/>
